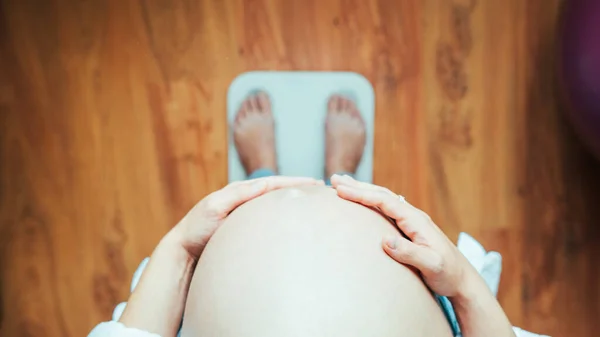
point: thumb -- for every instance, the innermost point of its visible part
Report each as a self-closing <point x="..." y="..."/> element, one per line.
<point x="404" y="251"/>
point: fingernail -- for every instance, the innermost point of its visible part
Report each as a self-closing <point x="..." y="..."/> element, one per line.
<point x="391" y="242"/>
<point x="347" y="177"/>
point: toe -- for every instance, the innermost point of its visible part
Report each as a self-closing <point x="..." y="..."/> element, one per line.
<point x="356" y="113"/>
<point x="334" y="103"/>
<point x="354" y="110"/>
<point x="248" y="105"/>
<point x="263" y="101"/>
<point x="346" y="104"/>
<point x="342" y="104"/>
<point x="241" y="113"/>
<point x="252" y="102"/>
<point x="350" y="105"/>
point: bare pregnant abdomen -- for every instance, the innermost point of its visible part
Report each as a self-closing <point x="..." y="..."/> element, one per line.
<point x="303" y="262"/>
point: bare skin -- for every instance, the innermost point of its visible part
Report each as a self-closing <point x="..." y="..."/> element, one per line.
<point x="305" y="262"/>
<point x="345" y="136"/>
<point x="254" y="135"/>
<point x="328" y="275"/>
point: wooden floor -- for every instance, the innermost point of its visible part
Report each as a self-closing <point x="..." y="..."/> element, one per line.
<point x="113" y="125"/>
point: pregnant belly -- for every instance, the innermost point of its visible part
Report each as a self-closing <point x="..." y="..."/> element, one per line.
<point x="303" y="262"/>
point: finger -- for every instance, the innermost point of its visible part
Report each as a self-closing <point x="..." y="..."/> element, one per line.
<point x="222" y="202"/>
<point x="406" y="218"/>
<point x="402" y="250"/>
<point x="299" y="180"/>
<point x="336" y="180"/>
<point x="239" y="182"/>
<point x="349" y="181"/>
<point x="426" y="217"/>
<point x="275" y="182"/>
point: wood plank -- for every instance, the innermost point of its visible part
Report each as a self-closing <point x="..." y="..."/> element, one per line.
<point x="112" y="125"/>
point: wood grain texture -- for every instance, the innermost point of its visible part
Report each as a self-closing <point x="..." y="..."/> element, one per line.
<point x="113" y="125"/>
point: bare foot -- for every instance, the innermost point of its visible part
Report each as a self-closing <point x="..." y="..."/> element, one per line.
<point x="254" y="133"/>
<point x="345" y="136"/>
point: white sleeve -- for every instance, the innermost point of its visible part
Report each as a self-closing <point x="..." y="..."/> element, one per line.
<point x="523" y="333"/>
<point x="116" y="329"/>
<point x="489" y="266"/>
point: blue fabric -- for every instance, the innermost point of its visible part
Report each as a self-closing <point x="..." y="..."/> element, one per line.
<point x="261" y="173"/>
<point x="448" y="310"/>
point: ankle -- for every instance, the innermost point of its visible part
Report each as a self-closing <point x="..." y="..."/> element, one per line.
<point x="340" y="167"/>
<point x="262" y="165"/>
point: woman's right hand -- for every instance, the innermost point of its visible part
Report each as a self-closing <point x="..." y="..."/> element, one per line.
<point x="196" y="228"/>
<point x="445" y="270"/>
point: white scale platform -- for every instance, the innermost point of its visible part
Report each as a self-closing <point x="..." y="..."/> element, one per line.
<point x="299" y="103"/>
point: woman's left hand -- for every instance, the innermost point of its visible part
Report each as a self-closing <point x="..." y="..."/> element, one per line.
<point x="201" y="222"/>
<point x="443" y="267"/>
